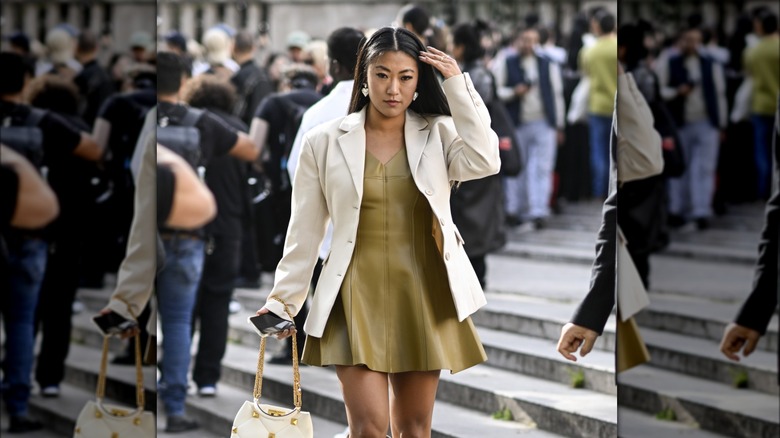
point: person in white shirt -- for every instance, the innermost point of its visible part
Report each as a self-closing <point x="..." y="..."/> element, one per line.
<point x="343" y="45"/>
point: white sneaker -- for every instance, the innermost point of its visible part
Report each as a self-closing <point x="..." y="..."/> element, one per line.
<point x="235" y="307"/>
<point x="207" y="391"/>
<point x="50" y="391"/>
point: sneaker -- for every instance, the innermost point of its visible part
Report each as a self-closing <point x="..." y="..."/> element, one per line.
<point x="207" y="391"/>
<point x="512" y="220"/>
<point x="526" y="227"/>
<point x="50" y="391"/>
<point x="23" y="423"/>
<point x="702" y="223"/>
<point x="540" y="223"/>
<point x="235" y="307"/>
<point x="180" y="423"/>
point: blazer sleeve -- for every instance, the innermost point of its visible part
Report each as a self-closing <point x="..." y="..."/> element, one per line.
<point x="595" y="309"/>
<point x="473" y="153"/>
<point x="308" y="219"/>
<point x="762" y="302"/>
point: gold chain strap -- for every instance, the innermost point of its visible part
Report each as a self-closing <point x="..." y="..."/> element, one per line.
<point x="139" y="374"/>
<point x="296" y="368"/>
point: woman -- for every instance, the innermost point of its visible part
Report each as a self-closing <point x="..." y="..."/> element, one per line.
<point x="397" y="282"/>
<point x="478" y="206"/>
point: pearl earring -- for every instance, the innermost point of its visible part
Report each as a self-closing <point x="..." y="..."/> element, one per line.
<point x="415" y="95"/>
<point x="364" y="90"/>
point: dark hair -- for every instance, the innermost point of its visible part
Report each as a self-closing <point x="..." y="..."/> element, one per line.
<point x="606" y="20"/>
<point x="768" y="21"/>
<point x="431" y="99"/>
<point x="170" y="69"/>
<point x="13" y="72"/>
<point x="469" y="35"/>
<point x="631" y="36"/>
<point x="418" y="18"/>
<point x="343" y="46"/>
<point x="54" y="93"/>
<point x="301" y="76"/>
<point x="87" y="42"/>
<point x="244" y="42"/>
<point x="209" y="91"/>
<point x="544" y="34"/>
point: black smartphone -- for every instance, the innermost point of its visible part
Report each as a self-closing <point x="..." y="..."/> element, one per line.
<point x="269" y="324"/>
<point x="113" y="323"/>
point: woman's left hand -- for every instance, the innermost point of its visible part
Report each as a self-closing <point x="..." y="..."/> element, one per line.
<point x="441" y="61"/>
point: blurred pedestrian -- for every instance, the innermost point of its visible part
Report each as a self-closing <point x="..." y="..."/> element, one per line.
<point x="599" y="63"/>
<point x="296" y="42"/>
<point x="251" y="82"/>
<point x="762" y="65"/>
<point x="177" y="282"/>
<point x="531" y="86"/>
<point x="694" y="87"/>
<point x="226" y="178"/>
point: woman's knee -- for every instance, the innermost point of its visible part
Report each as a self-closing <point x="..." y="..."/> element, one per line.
<point x="412" y="427"/>
<point x="367" y="428"/>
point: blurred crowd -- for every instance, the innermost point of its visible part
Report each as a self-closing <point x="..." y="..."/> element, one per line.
<point x="243" y="109"/>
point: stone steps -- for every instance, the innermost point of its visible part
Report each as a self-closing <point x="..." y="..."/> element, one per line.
<point x="528" y="355"/>
<point x="702" y="358"/>
<point x="478" y="392"/>
<point x="637" y="424"/>
<point x="711" y="406"/>
<point x="684" y="315"/>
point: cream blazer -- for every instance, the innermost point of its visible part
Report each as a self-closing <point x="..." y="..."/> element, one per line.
<point x="329" y="185"/>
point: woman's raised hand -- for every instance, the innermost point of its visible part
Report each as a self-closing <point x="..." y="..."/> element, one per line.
<point x="441" y="61"/>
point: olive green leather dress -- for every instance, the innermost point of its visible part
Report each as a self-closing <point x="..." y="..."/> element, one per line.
<point x="394" y="312"/>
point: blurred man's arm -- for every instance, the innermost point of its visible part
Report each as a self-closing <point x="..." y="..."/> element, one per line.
<point x="36" y="204"/>
<point x="193" y="205"/>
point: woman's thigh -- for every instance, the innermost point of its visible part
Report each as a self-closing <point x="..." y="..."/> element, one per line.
<point x="412" y="395"/>
<point x="366" y="399"/>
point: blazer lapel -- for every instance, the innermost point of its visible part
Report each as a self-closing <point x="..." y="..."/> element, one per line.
<point x="416" y="137"/>
<point x="353" y="146"/>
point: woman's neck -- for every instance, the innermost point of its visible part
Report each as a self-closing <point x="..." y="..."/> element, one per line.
<point x="377" y="122"/>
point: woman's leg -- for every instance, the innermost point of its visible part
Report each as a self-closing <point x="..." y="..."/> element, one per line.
<point x="411" y="403"/>
<point x="366" y="400"/>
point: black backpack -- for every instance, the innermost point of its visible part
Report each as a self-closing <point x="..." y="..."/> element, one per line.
<point x="182" y="137"/>
<point x="25" y="136"/>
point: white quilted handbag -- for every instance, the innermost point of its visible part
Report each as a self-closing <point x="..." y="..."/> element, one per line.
<point x="257" y="420"/>
<point x="99" y="420"/>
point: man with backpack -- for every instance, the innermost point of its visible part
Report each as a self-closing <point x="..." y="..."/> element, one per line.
<point x="41" y="137"/>
<point x="279" y="115"/>
<point x="197" y="136"/>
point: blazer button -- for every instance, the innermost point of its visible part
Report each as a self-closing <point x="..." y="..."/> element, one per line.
<point x="429" y="192"/>
<point x="447" y="256"/>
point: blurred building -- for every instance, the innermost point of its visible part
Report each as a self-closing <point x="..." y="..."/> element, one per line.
<point x="118" y="19"/>
<point x="319" y="17"/>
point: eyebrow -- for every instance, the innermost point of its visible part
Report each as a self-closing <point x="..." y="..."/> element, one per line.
<point x="387" y="69"/>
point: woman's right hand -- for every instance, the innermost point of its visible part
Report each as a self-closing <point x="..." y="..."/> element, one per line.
<point x="281" y="335"/>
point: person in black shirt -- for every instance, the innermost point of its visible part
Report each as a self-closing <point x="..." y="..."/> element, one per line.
<point x="27" y="250"/>
<point x="252" y="82"/>
<point x="94" y="83"/>
<point x="226" y="177"/>
<point x="177" y="282"/>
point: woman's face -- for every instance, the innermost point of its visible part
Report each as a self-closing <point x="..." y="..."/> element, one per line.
<point x="392" y="81"/>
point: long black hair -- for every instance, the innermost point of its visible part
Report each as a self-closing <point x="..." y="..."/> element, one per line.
<point x="469" y="35"/>
<point x="430" y="100"/>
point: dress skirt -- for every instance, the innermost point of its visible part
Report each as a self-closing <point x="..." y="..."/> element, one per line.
<point x="394" y="312"/>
